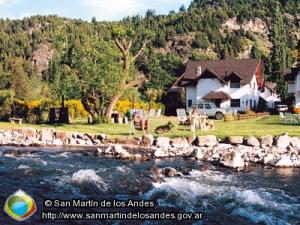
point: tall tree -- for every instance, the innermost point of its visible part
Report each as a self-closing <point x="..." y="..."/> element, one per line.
<point x="129" y="77"/>
<point x="279" y="50"/>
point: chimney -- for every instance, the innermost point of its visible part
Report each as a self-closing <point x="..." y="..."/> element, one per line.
<point x="199" y="70"/>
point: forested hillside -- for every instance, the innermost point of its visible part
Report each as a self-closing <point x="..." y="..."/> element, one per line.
<point x="101" y="62"/>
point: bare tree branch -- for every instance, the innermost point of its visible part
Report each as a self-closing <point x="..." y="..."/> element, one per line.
<point x="141" y="50"/>
<point x="120" y="46"/>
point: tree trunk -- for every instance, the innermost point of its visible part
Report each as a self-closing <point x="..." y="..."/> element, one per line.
<point x="111" y="106"/>
<point x="86" y="106"/>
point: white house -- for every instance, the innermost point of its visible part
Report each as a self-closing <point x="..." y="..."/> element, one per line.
<point x="269" y="95"/>
<point x="230" y="84"/>
<point x="293" y="78"/>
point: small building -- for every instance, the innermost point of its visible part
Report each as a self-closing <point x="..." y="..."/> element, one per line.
<point x="230" y="84"/>
<point x="292" y="76"/>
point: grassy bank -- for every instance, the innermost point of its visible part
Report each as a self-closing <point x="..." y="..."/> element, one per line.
<point x="257" y="127"/>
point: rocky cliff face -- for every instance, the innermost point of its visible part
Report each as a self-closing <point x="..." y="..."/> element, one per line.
<point x="42" y="56"/>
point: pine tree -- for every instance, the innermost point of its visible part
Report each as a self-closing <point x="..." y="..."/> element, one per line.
<point x="279" y="51"/>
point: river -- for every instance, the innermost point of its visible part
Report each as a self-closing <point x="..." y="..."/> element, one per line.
<point x="259" y="195"/>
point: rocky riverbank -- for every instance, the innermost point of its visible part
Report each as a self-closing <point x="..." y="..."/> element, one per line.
<point x="234" y="152"/>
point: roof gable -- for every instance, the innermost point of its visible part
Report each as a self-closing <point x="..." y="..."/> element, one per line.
<point x="244" y="68"/>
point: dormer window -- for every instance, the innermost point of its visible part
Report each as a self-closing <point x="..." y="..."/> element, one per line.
<point x="235" y="83"/>
<point x="235" y="80"/>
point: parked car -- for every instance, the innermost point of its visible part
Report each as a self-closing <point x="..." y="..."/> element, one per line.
<point x="282" y="108"/>
<point x="211" y="110"/>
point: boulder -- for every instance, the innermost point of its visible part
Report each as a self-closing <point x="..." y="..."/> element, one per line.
<point x="147" y="140"/>
<point x="125" y="155"/>
<point x="118" y="149"/>
<point x="192" y="139"/>
<point x="197" y="153"/>
<point x="138" y="157"/>
<point x="29" y="132"/>
<point x="209" y="140"/>
<point x="169" y="172"/>
<point x="295" y="142"/>
<point x="252" y="141"/>
<point x="58" y="142"/>
<point x="101" y="137"/>
<point x="80" y="142"/>
<point x="284" y="162"/>
<point x="163" y="142"/>
<point x="180" y="143"/>
<point x="233" y="160"/>
<point x="266" y="140"/>
<point x="46" y="135"/>
<point x="235" y="140"/>
<point x="108" y="150"/>
<point x="64" y="136"/>
<point x="269" y="158"/>
<point x="283" y="141"/>
<point x="160" y="153"/>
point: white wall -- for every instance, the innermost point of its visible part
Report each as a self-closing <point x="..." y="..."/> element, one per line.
<point x="291" y="87"/>
<point x="297" y="90"/>
<point x="270" y="97"/>
<point x="244" y="93"/>
<point x="191" y="94"/>
<point x="205" y="86"/>
<point x="297" y="82"/>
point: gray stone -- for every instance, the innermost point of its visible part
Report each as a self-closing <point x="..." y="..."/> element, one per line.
<point x="209" y="140"/>
<point x="163" y="142"/>
<point x="284" y="162"/>
<point x="64" y="136"/>
<point x="138" y="157"/>
<point x="160" y="153"/>
<point x="118" y="149"/>
<point x="180" y="143"/>
<point x="148" y="140"/>
<point x="283" y="141"/>
<point x="233" y="160"/>
<point x="235" y="140"/>
<point x="266" y="140"/>
<point x="197" y="153"/>
<point x="295" y="142"/>
<point x="169" y="172"/>
<point x="58" y="142"/>
<point x="46" y="135"/>
<point x="29" y="132"/>
<point x="269" y="158"/>
<point x="125" y="155"/>
<point x="252" y="141"/>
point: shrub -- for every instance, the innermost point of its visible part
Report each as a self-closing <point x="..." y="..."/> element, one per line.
<point x="229" y="117"/>
<point x="296" y="110"/>
<point x="6" y="102"/>
<point x="249" y="112"/>
<point x="76" y="109"/>
<point x="124" y="106"/>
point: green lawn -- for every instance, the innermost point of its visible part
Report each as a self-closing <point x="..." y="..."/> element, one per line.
<point x="257" y="127"/>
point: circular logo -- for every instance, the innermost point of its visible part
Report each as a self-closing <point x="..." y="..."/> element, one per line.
<point x="20" y="206"/>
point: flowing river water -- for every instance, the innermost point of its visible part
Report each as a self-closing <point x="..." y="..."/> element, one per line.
<point x="259" y="195"/>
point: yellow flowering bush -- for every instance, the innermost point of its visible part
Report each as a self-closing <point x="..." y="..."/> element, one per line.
<point x="76" y="108"/>
<point x="124" y="106"/>
<point x="296" y="110"/>
<point x="37" y="107"/>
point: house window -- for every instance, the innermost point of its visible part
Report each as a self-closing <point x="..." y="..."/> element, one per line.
<point x="235" y="84"/>
<point x="190" y="103"/>
<point x="235" y="103"/>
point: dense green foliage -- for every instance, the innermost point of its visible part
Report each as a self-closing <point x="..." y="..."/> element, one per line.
<point x="86" y="58"/>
